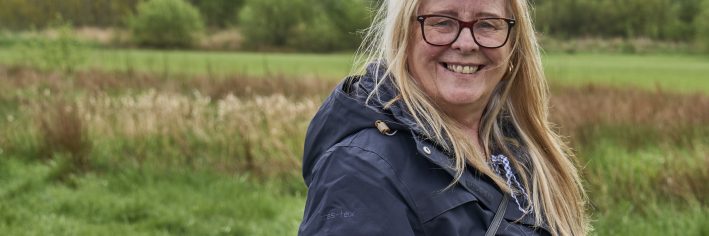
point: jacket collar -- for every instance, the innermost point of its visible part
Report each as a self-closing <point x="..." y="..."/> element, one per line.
<point x="480" y="186"/>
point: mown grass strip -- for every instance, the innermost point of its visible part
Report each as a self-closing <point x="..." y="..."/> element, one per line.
<point x="676" y="72"/>
<point x="673" y="72"/>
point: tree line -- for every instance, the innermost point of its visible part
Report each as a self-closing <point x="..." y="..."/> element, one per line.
<point x="656" y="19"/>
<point x="26" y="14"/>
<point x="328" y="25"/>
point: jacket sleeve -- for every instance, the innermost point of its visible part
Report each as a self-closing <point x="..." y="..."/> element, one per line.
<point x="355" y="192"/>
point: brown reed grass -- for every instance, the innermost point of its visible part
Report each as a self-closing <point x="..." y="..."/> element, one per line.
<point x="578" y="109"/>
<point x="257" y="124"/>
<point x="673" y="127"/>
<point x="261" y="135"/>
<point x="95" y="81"/>
<point x="63" y="133"/>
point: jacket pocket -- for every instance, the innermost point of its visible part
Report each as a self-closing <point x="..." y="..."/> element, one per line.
<point x="440" y="202"/>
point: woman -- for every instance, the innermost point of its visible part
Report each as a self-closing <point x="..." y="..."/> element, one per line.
<point x="446" y="132"/>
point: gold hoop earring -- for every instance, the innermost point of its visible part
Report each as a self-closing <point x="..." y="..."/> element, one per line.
<point x="512" y="66"/>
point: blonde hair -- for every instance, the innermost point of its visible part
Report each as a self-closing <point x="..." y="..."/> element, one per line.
<point x="554" y="184"/>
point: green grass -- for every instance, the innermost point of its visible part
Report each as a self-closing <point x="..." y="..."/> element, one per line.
<point x="642" y="191"/>
<point x="330" y="66"/>
<point x="658" y="219"/>
<point x="151" y="201"/>
<point x="682" y="73"/>
<point x="141" y="202"/>
<point x="642" y="178"/>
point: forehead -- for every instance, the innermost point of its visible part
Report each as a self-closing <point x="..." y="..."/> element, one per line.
<point x="465" y="9"/>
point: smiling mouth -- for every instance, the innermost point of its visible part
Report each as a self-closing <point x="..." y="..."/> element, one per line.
<point x="462" y="69"/>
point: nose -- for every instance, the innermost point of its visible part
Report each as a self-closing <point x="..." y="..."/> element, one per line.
<point x="465" y="41"/>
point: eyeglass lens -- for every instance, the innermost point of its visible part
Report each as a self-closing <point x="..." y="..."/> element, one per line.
<point x="490" y="33"/>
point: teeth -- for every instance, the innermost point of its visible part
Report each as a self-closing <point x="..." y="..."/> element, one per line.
<point x="463" y="69"/>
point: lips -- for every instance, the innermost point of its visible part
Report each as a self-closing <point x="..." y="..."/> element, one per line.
<point x="462" y="69"/>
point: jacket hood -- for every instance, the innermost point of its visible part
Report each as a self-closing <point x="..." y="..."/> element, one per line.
<point x="347" y="111"/>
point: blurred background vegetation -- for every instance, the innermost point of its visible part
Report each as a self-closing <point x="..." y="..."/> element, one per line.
<point x="329" y="25"/>
<point x="177" y="117"/>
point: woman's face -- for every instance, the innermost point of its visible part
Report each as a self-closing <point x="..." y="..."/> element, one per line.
<point x="459" y="77"/>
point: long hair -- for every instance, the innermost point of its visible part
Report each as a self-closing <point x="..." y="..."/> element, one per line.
<point x="520" y="100"/>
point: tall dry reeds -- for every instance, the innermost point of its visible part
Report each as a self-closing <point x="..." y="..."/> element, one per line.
<point x="257" y="125"/>
<point x="95" y="81"/>
<point x="580" y="111"/>
<point x="636" y="145"/>
<point x="260" y="135"/>
<point x="62" y="130"/>
<point x="234" y="124"/>
<point x="63" y="139"/>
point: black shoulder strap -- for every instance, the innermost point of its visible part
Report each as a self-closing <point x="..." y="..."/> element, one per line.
<point x="498" y="216"/>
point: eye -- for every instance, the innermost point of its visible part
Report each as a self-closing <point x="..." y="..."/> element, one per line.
<point x="490" y="25"/>
<point x="440" y="22"/>
<point x="486" y="25"/>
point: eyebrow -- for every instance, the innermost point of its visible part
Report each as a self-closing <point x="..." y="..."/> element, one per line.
<point x="455" y="14"/>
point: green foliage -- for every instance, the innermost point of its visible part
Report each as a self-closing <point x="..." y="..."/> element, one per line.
<point x="309" y="25"/>
<point x="318" y="33"/>
<point x="9" y="39"/>
<point x="657" y="19"/>
<point x="702" y="26"/>
<point x="166" y="24"/>
<point x="271" y="22"/>
<point x="219" y="13"/>
<point x="63" y="53"/>
<point x="23" y="14"/>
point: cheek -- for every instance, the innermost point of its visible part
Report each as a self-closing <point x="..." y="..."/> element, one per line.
<point x="499" y="59"/>
<point x="429" y="61"/>
<point x="497" y="56"/>
<point x="422" y="51"/>
<point x="423" y="58"/>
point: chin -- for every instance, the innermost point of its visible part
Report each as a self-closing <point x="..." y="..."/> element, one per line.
<point x="462" y="98"/>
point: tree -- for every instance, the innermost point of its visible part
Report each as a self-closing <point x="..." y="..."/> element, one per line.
<point x="312" y="25"/>
<point x="219" y="13"/>
<point x="271" y="22"/>
<point x="166" y="24"/>
<point x="701" y="23"/>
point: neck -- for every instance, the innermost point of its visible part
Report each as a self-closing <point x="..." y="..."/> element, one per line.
<point x="467" y="116"/>
<point x="469" y="120"/>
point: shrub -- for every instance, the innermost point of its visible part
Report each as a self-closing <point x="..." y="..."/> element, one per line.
<point x="218" y="13"/>
<point x="270" y="22"/>
<point x="63" y="53"/>
<point x="701" y="24"/>
<point x="166" y="24"/>
<point x="317" y="34"/>
<point x="309" y="25"/>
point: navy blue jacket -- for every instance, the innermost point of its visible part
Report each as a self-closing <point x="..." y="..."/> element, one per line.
<point x="363" y="182"/>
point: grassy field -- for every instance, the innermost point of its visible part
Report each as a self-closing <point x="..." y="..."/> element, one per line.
<point x="670" y="72"/>
<point x="203" y="63"/>
<point x="683" y="73"/>
<point x="140" y="202"/>
<point x="147" y="152"/>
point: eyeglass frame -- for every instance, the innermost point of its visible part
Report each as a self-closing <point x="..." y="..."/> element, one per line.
<point x="466" y="24"/>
